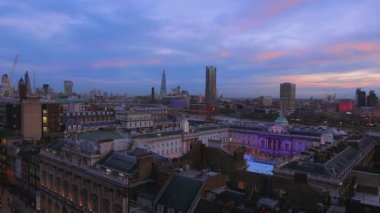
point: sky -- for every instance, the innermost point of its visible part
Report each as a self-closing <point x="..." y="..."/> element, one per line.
<point x="322" y="46"/>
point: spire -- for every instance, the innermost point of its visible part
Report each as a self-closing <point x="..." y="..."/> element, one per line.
<point x="163" y="84"/>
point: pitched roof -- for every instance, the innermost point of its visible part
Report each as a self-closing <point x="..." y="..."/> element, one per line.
<point x="57" y="146"/>
<point x="102" y="135"/>
<point x="120" y="162"/>
<point x="180" y="193"/>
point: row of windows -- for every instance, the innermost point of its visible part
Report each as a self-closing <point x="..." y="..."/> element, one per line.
<point x="88" y="113"/>
<point x="140" y="124"/>
<point x="167" y="144"/>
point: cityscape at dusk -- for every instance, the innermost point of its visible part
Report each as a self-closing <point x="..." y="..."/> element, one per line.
<point x="122" y="46"/>
<point x="261" y="106"/>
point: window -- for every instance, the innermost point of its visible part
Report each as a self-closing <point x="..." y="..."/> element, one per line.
<point x="241" y="185"/>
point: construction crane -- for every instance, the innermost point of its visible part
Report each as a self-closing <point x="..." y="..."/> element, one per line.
<point x="10" y="88"/>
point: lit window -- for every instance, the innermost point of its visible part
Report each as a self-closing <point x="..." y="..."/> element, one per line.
<point x="241" y="185"/>
<point x="44" y="119"/>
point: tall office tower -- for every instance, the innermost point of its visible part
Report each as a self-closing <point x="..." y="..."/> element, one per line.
<point x="22" y="90"/>
<point x="68" y="87"/>
<point x="153" y="99"/>
<point x="360" y="98"/>
<point x="210" y="93"/>
<point x="45" y="88"/>
<point x="28" y="84"/>
<point x="163" y="85"/>
<point x="287" y="98"/>
<point x="372" y="99"/>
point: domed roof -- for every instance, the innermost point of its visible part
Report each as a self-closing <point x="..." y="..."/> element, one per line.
<point x="281" y="120"/>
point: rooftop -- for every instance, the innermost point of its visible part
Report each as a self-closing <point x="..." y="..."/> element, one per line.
<point x="180" y="193"/>
<point x="103" y="135"/>
<point x="120" y="162"/>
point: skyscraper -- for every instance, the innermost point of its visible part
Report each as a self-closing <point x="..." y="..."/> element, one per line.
<point x="22" y="90"/>
<point x="163" y="85"/>
<point x="287" y="98"/>
<point x="360" y="98"/>
<point x="153" y="98"/>
<point x="68" y="87"/>
<point x="45" y="88"/>
<point x="210" y="93"/>
<point x="28" y="84"/>
<point x="372" y="99"/>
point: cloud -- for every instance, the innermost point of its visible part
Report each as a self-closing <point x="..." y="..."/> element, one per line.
<point x="255" y="15"/>
<point x="268" y="56"/>
<point x="41" y="26"/>
<point x="353" y="47"/>
<point x="343" y="80"/>
<point x="123" y="63"/>
<point x="225" y="53"/>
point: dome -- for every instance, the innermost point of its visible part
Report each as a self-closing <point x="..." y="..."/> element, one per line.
<point x="281" y="120"/>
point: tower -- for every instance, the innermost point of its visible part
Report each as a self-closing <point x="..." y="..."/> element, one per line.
<point x="22" y="89"/>
<point x="28" y="84"/>
<point x="287" y="98"/>
<point x="360" y="98"/>
<point x="152" y="95"/>
<point x="68" y="87"/>
<point x="163" y="85"/>
<point x="210" y="92"/>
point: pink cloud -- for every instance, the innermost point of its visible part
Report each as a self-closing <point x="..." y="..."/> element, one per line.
<point x="225" y="53"/>
<point x="269" y="11"/>
<point x="268" y="56"/>
<point x="352" y="46"/>
<point x="331" y="53"/>
<point x="344" y="80"/>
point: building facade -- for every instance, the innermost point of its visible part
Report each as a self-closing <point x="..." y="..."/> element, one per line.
<point x="360" y="98"/>
<point x="93" y="173"/>
<point x="287" y="98"/>
<point x="163" y="85"/>
<point x="31" y="121"/>
<point x="68" y="87"/>
<point x="210" y="93"/>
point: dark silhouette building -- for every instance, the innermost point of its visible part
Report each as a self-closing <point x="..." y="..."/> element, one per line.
<point x="210" y="92"/>
<point x="152" y="96"/>
<point x="360" y="98"/>
<point x="28" y="84"/>
<point x="22" y="89"/>
<point x="372" y="99"/>
<point x="163" y="85"/>
<point x="68" y="87"/>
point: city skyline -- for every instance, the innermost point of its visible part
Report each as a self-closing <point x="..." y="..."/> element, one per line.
<point x="255" y="46"/>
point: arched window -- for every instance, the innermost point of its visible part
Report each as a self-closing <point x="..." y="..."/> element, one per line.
<point x="105" y="206"/>
<point x="84" y="198"/>
<point x="74" y="191"/>
<point x="66" y="189"/>
<point x="58" y="185"/>
<point x="94" y="202"/>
